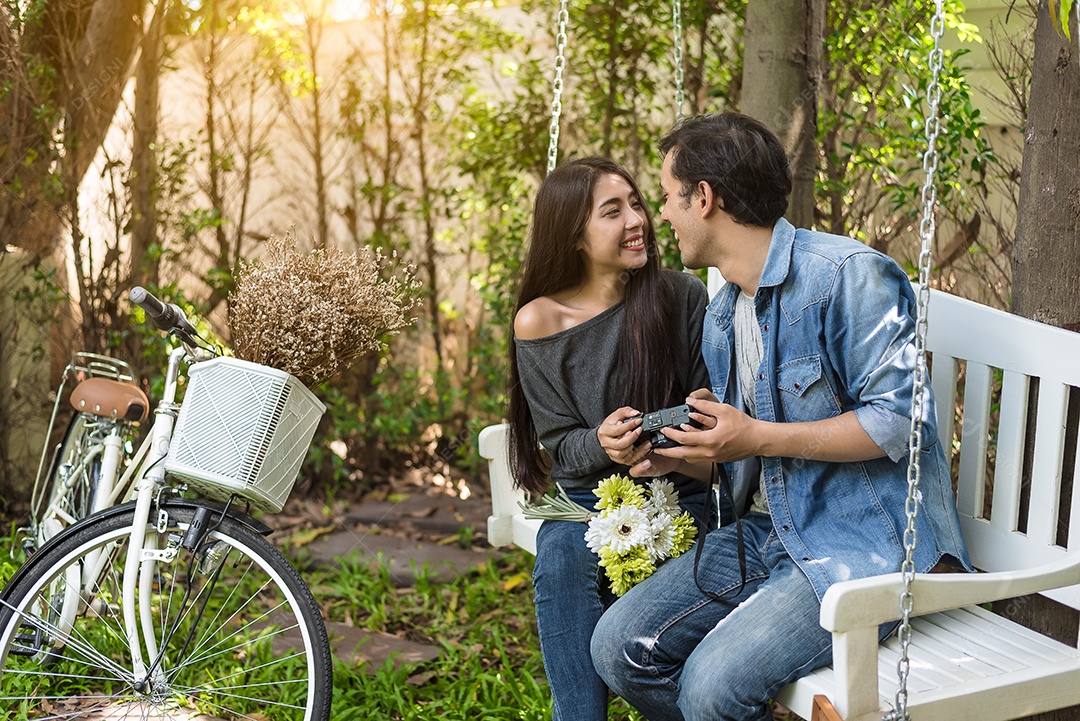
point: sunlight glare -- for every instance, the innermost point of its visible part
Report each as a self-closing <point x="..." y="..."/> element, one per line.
<point x="332" y="10"/>
<point x="349" y="9"/>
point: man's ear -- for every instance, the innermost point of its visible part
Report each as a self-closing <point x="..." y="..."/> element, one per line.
<point x="707" y="201"/>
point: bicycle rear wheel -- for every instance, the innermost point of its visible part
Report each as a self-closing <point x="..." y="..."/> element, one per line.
<point x="72" y="481"/>
<point x="237" y="632"/>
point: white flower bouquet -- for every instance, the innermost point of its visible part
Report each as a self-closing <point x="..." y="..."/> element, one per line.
<point x="633" y="530"/>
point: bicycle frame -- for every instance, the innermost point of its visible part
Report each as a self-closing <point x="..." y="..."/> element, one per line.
<point x="148" y="468"/>
<point x="141" y="564"/>
<point x="107" y="488"/>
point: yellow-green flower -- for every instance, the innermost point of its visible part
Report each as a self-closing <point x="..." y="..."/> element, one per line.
<point x="625" y="570"/>
<point x="684" y="532"/>
<point x="616" y="491"/>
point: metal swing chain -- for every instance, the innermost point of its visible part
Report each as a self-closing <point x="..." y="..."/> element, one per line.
<point x="680" y="95"/>
<point x="557" y="87"/>
<point x="918" y="399"/>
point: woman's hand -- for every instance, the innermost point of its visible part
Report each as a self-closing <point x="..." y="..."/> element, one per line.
<point x="618" y="434"/>
<point x="654" y="465"/>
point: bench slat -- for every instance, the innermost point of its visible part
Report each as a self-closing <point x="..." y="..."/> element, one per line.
<point x="950" y="651"/>
<point x="1009" y="465"/>
<point x="1046" y="466"/>
<point x="1001" y="647"/>
<point x="974" y="440"/>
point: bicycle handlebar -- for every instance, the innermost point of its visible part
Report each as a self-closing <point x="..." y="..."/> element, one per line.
<point x="166" y="316"/>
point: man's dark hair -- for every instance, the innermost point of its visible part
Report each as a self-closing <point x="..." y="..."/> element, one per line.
<point x="739" y="157"/>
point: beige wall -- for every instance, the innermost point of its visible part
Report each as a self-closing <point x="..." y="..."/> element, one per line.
<point x="24" y="375"/>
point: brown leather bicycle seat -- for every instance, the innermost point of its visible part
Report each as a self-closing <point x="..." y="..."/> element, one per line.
<point x="110" y="399"/>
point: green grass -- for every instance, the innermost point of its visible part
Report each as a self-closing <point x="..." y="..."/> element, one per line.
<point x="489" y="667"/>
<point x="484" y="623"/>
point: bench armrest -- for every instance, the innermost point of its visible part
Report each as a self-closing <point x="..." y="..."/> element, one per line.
<point x="868" y="602"/>
<point x="853" y="610"/>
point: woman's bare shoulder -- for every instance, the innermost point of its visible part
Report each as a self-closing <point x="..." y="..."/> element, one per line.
<point x="538" y="318"/>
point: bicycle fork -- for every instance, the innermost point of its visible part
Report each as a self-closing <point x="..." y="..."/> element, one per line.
<point x="143" y="554"/>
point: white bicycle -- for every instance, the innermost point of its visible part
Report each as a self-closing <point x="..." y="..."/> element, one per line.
<point x="170" y="602"/>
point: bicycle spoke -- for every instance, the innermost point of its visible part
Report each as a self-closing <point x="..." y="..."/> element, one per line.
<point x="268" y="664"/>
<point x="238" y="714"/>
<point x="262" y="684"/>
<point x="225" y="694"/>
<point x="221" y="652"/>
<point x="246" y="639"/>
<point x="247" y="624"/>
<point x="212" y="624"/>
<point x="77" y="641"/>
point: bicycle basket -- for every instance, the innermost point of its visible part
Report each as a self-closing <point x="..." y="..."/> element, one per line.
<point x="243" y="428"/>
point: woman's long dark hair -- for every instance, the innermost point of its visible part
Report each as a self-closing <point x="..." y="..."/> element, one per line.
<point x="645" y="364"/>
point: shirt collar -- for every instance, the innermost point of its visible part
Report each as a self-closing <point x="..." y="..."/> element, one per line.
<point x="778" y="261"/>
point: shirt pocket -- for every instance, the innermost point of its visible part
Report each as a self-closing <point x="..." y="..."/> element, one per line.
<point x="804" y="392"/>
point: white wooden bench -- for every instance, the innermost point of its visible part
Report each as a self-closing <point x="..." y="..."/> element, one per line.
<point x="966" y="663"/>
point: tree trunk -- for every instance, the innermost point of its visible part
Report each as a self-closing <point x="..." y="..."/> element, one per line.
<point x="102" y="68"/>
<point x="89" y="48"/>
<point x="427" y="193"/>
<point x="318" y="141"/>
<point x="144" y="261"/>
<point x="781" y="79"/>
<point x="1046" y="257"/>
<point x="216" y="153"/>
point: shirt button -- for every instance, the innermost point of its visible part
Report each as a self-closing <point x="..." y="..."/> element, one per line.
<point x="773" y="479"/>
<point x="783" y="528"/>
<point x="761" y="377"/>
<point x="805" y="558"/>
<point x="797" y="386"/>
<point x="766" y="327"/>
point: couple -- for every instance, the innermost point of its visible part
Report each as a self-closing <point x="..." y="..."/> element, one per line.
<point x="799" y="373"/>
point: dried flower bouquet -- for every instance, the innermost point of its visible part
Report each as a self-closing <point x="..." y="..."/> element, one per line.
<point x="313" y="314"/>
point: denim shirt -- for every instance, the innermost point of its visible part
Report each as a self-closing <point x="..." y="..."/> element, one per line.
<point x="837" y="325"/>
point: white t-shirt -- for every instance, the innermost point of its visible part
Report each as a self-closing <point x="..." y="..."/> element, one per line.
<point x="749" y="350"/>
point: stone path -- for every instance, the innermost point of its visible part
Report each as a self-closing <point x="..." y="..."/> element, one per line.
<point x="408" y="535"/>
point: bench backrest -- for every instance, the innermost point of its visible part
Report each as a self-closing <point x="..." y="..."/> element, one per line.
<point x="1010" y="382"/>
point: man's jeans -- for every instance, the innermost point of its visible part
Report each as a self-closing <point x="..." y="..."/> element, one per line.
<point x="571" y="594"/>
<point x="675" y="653"/>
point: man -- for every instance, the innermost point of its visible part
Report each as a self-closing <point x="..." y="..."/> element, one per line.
<point x="810" y="348"/>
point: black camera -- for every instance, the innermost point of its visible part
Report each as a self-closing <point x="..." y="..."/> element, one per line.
<point x="673" y="417"/>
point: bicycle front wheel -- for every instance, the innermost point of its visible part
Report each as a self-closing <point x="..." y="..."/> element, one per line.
<point x="235" y="632"/>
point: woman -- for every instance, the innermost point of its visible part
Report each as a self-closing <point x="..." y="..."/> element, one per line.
<point x="601" y="335"/>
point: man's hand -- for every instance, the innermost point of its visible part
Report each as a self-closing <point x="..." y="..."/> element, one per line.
<point x="618" y="434"/>
<point x="726" y="434"/>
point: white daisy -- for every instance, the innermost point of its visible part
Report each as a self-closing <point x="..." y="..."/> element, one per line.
<point x="620" y="530"/>
<point x="663" y="537"/>
<point x="663" y="500"/>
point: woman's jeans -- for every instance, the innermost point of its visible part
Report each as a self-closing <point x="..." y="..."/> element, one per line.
<point x="675" y="653"/>
<point x="572" y="593"/>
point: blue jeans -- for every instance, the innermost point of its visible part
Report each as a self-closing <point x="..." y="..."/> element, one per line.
<point x="675" y="653"/>
<point x="572" y="593"/>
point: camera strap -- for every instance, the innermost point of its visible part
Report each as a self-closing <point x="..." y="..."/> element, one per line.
<point x="725" y="486"/>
